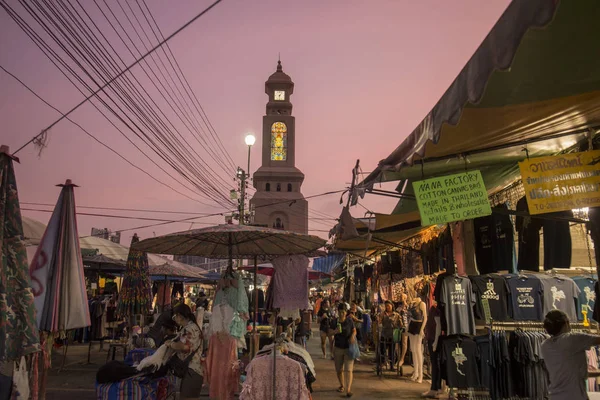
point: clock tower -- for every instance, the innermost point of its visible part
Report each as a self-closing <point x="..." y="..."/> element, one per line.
<point x="278" y="201"/>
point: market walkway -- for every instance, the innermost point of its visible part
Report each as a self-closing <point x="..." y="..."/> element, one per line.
<point x="367" y="385"/>
<point x="77" y="381"/>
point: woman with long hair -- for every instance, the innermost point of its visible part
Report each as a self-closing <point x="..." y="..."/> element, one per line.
<point x="188" y="343"/>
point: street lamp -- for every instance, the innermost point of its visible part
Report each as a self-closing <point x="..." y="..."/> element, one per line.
<point x="250" y="140"/>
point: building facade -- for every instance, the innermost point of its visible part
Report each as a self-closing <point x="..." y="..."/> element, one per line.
<point x="278" y="201"/>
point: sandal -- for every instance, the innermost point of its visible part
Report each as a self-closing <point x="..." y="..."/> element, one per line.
<point x="341" y="389"/>
<point x="349" y="394"/>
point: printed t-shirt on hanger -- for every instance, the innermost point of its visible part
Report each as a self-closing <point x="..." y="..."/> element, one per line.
<point x="458" y="300"/>
<point x="560" y="293"/>
<point x="460" y="359"/>
<point x="587" y="296"/>
<point x="494" y="289"/>
<point x="525" y="297"/>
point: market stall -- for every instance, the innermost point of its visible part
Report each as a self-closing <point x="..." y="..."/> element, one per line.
<point x="230" y="305"/>
<point x="506" y="155"/>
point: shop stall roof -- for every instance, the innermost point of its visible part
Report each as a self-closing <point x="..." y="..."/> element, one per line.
<point x="534" y="84"/>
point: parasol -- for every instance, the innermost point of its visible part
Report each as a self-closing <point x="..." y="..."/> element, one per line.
<point x="234" y="241"/>
<point x="136" y="292"/>
<point x="18" y="330"/>
<point x="57" y="270"/>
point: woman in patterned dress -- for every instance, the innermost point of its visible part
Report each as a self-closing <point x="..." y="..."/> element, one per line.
<point x="188" y="341"/>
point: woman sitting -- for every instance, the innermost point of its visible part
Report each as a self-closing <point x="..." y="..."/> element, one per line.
<point x="188" y="343"/>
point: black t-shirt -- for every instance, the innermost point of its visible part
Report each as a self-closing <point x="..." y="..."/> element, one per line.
<point x="460" y="359"/>
<point x="493" y="288"/>
<point x="525" y="297"/>
<point x="342" y="340"/>
<point x="529" y="239"/>
<point x="325" y="316"/>
<point x="557" y="241"/>
<point x="483" y="244"/>
<point x="502" y="241"/>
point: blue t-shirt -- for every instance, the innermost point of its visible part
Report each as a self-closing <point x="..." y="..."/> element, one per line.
<point x="587" y="296"/>
<point x="526" y="297"/>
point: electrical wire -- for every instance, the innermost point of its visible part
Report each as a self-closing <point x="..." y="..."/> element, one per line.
<point x="112" y="216"/>
<point x="124" y="71"/>
<point x="119" y="209"/>
<point x="46" y="49"/>
<point x="99" y="141"/>
<point x="190" y="91"/>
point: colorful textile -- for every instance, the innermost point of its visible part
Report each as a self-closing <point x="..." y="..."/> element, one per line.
<point x="222" y="367"/>
<point x="291" y="282"/>
<point x="290" y="380"/>
<point x="136" y="291"/>
<point x="137" y="389"/>
<point x="18" y="330"/>
<point x="191" y="336"/>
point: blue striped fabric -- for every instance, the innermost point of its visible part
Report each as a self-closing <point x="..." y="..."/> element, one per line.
<point x="328" y="263"/>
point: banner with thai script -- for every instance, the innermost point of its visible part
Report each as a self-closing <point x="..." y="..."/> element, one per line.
<point x="560" y="183"/>
<point x="452" y="198"/>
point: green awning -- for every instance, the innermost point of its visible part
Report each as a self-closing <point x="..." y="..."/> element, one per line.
<point x="545" y="102"/>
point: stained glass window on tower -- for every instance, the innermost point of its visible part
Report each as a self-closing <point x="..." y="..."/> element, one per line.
<point x="278" y="141"/>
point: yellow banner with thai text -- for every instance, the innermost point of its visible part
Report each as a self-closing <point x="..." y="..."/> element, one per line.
<point x="560" y="183"/>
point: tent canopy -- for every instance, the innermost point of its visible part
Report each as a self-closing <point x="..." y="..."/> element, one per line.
<point x="534" y="83"/>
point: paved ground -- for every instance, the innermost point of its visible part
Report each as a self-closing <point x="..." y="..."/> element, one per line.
<point x="76" y="381"/>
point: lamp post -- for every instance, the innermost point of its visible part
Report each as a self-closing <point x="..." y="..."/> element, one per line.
<point x="250" y="140"/>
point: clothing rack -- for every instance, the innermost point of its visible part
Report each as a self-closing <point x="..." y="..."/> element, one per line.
<point x="536" y="325"/>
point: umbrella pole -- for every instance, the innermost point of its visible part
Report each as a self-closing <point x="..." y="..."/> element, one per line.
<point x="275" y="350"/>
<point x="254" y="336"/>
<point x="164" y="295"/>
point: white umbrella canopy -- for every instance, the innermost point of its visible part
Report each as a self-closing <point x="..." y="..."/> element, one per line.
<point x="232" y="241"/>
<point x="34" y="230"/>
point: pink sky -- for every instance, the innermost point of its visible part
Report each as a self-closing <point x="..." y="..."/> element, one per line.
<point x="366" y="73"/>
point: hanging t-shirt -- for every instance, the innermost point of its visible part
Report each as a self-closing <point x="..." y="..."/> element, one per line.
<point x="460" y="360"/>
<point x="483" y="244"/>
<point x="458" y="300"/>
<point x="493" y="288"/>
<point x="502" y="241"/>
<point x="525" y="297"/>
<point x="560" y="293"/>
<point x="529" y="239"/>
<point x="587" y="296"/>
<point x="557" y="241"/>
<point x="290" y="282"/>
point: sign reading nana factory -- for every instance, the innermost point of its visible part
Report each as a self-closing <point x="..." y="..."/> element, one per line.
<point x="560" y="183"/>
<point x="452" y="198"/>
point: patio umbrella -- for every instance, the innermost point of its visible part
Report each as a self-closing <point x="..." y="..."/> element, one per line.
<point x="136" y="292"/>
<point x="57" y="270"/>
<point x="234" y="241"/>
<point x="18" y="330"/>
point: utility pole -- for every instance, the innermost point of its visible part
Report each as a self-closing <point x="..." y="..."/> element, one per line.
<point x="241" y="174"/>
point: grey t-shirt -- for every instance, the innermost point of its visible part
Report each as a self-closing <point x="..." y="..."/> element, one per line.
<point x="458" y="300"/>
<point x="566" y="362"/>
<point x="560" y="293"/>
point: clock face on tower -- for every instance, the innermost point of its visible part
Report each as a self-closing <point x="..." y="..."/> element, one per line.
<point x="279" y="95"/>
